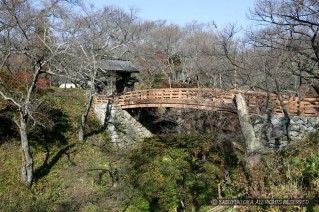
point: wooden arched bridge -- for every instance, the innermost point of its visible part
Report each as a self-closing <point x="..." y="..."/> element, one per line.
<point x="212" y="99"/>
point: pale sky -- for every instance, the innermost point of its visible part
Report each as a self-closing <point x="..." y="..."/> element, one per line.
<point x="181" y="12"/>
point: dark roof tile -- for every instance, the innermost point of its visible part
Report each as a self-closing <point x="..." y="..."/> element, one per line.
<point x="119" y="66"/>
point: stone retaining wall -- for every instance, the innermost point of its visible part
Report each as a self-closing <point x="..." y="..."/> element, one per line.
<point x="123" y="128"/>
<point x="273" y="132"/>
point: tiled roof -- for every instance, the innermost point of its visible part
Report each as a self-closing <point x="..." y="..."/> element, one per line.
<point x="119" y="66"/>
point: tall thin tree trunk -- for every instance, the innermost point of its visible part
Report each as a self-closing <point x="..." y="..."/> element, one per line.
<point x="285" y="111"/>
<point x="27" y="160"/>
<point x="88" y="104"/>
<point x="253" y="145"/>
<point x="299" y="95"/>
<point x="85" y="116"/>
<point x="286" y="118"/>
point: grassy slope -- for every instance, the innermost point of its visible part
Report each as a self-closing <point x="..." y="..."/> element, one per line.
<point x="61" y="163"/>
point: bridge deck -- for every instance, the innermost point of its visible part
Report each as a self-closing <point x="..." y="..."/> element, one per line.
<point x="212" y="99"/>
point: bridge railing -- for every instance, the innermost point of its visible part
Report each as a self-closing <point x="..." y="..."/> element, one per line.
<point x="206" y="98"/>
<point x="182" y="93"/>
<point x="174" y="93"/>
<point x="307" y="106"/>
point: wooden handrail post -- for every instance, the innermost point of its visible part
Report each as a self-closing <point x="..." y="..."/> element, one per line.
<point x="301" y="108"/>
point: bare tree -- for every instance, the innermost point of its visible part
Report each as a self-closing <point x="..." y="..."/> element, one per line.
<point x="97" y="35"/>
<point x="180" y="53"/>
<point x="295" y="25"/>
<point x="157" y="52"/>
<point x="259" y="68"/>
<point x="199" y="49"/>
<point x="28" y="47"/>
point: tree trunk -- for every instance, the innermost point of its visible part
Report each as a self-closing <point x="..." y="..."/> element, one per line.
<point x="287" y="118"/>
<point x="27" y="160"/>
<point x="253" y="145"/>
<point x="84" y="116"/>
<point x="285" y="111"/>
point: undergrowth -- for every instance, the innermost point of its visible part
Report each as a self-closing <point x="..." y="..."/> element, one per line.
<point x="61" y="180"/>
<point x="161" y="174"/>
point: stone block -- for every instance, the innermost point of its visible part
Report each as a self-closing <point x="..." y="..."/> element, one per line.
<point x="312" y="119"/>
<point x="258" y="127"/>
<point x="294" y="133"/>
<point x="276" y="121"/>
<point x="300" y="122"/>
<point x="295" y="118"/>
<point x="308" y="124"/>
<point x="298" y="138"/>
<point x="276" y="132"/>
<point x="295" y="127"/>
<point x="303" y="128"/>
<point x="311" y="129"/>
<point x="271" y="146"/>
<point x="304" y="119"/>
<point x="315" y="123"/>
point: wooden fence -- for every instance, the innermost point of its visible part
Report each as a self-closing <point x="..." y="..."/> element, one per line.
<point x="212" y="99"/>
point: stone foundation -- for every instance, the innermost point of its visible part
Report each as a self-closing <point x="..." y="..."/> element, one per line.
<point x="273" y="132"/>
<point x="123" y="128"/>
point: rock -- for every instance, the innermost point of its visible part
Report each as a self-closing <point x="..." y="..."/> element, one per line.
<point x="303" y="128"/>
<point x="304" y="119"/>
<point x="295" y="118"/>
<point x="276" y="132"/>
<point x="277" y="120"/>
<point x="299" y="138"/>
<point x="295" y="127"/>
<point x="258" y="127"/>
<point x="312" y="119"/>
<point x="308" y="124"/>
<point x="270" y="145"/>
<point x="259" y="121"/>
<point x="311" y="129"/>
<point x="114" y="137"/>
<point x="315" y="122"/>
<point x="299" y="122"/>
<point x="294" y="134"/>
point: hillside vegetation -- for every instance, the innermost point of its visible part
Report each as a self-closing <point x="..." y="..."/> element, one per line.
<point x="62" y="181"/>
<point x="161" y="174"/>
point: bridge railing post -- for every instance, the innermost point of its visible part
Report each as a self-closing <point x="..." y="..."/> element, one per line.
<point x="302" y="107"/>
